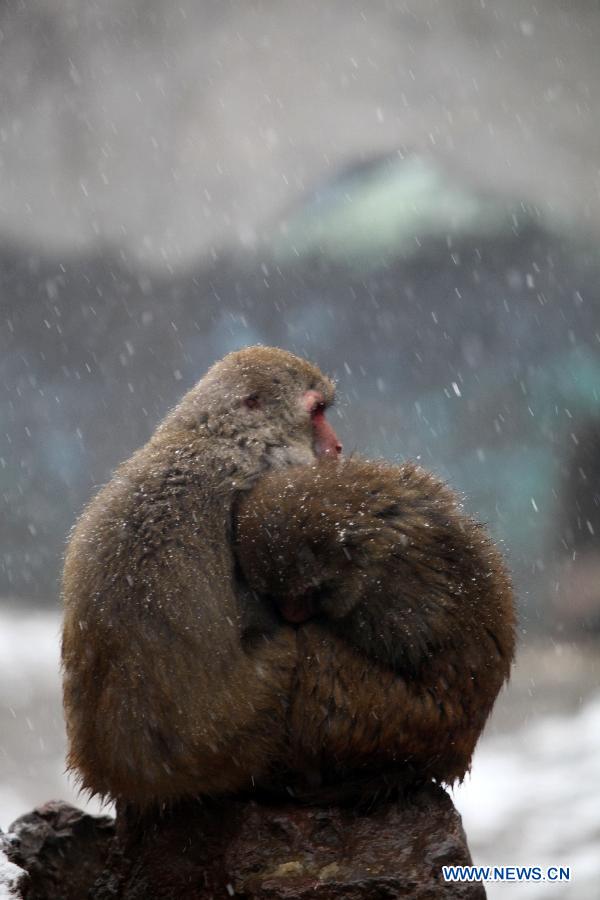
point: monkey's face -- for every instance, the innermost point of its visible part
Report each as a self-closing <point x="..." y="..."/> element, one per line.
<point x="291" y="416"/>
<point x="266" y="403"/>
<point x="294" y="423"/>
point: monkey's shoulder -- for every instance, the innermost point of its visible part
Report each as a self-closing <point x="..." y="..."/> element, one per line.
<point x="154" y="521"/>
<point x="348" y="503"/>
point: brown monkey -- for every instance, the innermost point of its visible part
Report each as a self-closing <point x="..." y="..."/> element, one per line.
<point x="175" y="682"/>
<point x="407" y="611"/>
<point x="180" y="680"/>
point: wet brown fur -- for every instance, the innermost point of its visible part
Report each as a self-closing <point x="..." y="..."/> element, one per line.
<point x="180" y="676"/>
<point x="415" y="627"/>
<point x="162" y="699"/>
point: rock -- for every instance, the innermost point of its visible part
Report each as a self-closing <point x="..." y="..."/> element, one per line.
<point x="62" y="850"/>
<point x="241" y="848"/>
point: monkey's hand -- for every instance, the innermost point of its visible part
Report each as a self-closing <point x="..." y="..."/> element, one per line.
<point x="381" y="554"/>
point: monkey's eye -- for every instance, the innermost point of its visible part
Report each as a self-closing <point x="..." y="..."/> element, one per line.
<point x="318" y="409"/>
<point x="252" y="401"/>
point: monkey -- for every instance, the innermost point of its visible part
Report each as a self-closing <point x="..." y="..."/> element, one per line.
<point x="174" y="683"/>
<point x="404" y="612"/>
<point x="244" y="610"/>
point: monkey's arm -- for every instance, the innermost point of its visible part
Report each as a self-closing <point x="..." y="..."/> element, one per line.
<point x="161" y="698"/>
<point x="351" y="714"/>
<point x="381" y="554"/>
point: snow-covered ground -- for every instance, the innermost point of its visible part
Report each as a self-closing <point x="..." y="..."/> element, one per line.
<point x="32" y="735"/>
<point x="533" y="797"/>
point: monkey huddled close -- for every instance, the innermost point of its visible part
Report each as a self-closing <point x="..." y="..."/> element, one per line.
<point x="244" y="609"/>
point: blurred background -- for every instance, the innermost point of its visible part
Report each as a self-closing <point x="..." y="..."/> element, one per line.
<point x="408" y="193"/>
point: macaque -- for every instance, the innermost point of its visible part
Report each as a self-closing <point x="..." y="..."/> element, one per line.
<point x="166" y="691"/>
<point x="245" y="611"/>
<point x="404" y="614"/>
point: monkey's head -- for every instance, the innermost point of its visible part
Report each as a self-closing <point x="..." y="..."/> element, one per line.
<point x="265" y="399"/>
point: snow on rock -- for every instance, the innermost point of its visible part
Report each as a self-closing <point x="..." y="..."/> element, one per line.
<point x="9" y="877"/>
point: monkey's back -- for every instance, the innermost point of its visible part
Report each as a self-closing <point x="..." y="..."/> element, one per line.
<point x="155" y="682"/>
<point x="413" y="628"/>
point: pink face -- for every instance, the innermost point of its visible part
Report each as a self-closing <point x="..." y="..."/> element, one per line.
<point x="325" y="440"/>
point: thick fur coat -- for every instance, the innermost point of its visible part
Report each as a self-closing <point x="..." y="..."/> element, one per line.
<point x="182" y="673"/>
<point x="412" y="628"/>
